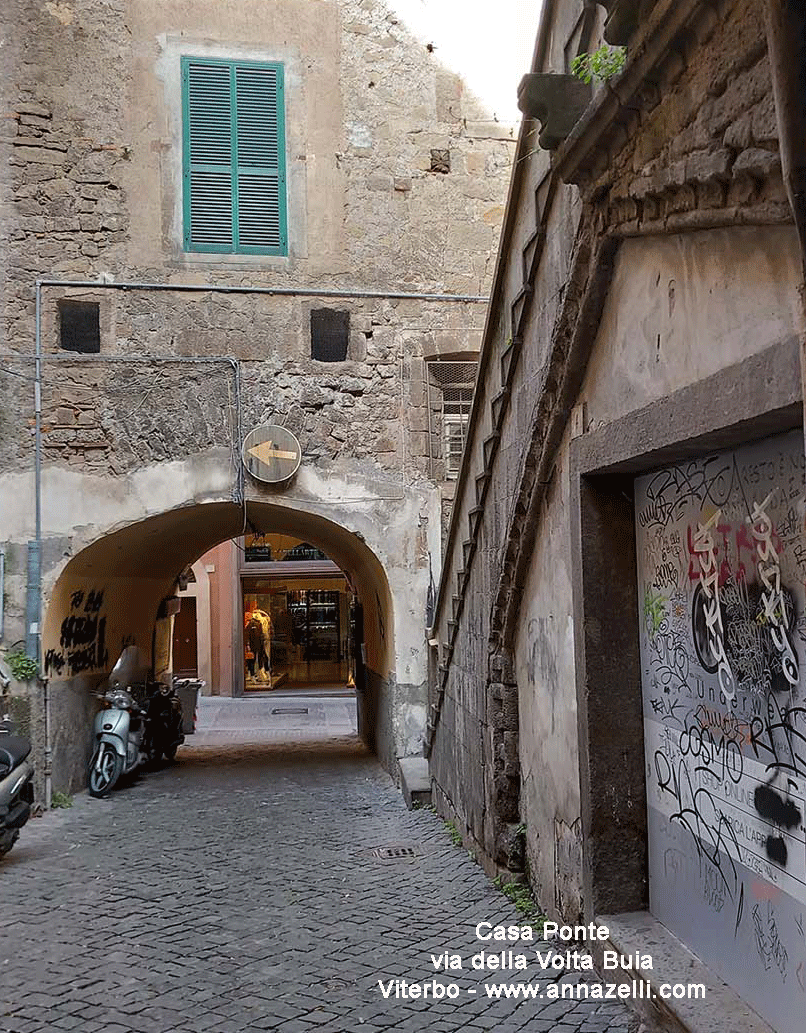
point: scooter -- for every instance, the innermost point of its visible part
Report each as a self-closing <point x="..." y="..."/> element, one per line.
<point x="16" y="785"/>
<point x="119" y="729"/>
<point x="164" y="723"/>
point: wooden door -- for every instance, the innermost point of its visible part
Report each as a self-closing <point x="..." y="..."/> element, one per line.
<point x="185" y="657"/>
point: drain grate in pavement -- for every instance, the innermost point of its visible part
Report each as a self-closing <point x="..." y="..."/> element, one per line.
<point x="290" y="710"/>
<point x="390" y="853"/>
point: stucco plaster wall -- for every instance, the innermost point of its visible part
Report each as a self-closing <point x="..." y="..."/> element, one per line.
<point x="96" y="617"/>
<point x="713" y="299"/>
<point x="682" y="307"/>
<point x="546" y="677"/>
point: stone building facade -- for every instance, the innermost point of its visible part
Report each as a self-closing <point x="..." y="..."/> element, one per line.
<point x="617" y="688"/>
<point x="142" y="341"/>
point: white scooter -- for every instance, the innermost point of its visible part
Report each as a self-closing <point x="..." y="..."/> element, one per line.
<point x="119" y="729"/>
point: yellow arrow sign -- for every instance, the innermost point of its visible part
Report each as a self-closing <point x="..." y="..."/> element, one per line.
<point x="266" y="451"/>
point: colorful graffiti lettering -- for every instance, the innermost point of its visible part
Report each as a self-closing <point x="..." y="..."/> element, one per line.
<point x="724" y="710"/>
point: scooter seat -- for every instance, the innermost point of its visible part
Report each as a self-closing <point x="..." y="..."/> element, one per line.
<point x="13" y="751"/>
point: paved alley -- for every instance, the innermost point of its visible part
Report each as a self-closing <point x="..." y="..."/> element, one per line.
<point x="276" y="717"/>
<point x="239" y="891"/>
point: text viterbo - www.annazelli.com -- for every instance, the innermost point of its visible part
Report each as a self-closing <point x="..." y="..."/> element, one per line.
<point x="433" y="989"/>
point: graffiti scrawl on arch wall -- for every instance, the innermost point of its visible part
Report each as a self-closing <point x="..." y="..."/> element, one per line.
<point x="722" y="591"/>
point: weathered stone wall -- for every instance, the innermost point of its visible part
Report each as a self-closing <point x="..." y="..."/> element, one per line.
<point x="703" y="136"/>
<point x="673" y="154"/>
<point x="93" y="176"/>
<point x="64" y="149"/>
<point x="92" y="160"/>
<point x="473" y="719"/>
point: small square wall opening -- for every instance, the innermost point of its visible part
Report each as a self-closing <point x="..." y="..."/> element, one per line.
<point x="330" y="334"/>
<point x="440" y="161"/>
<point x="80" y="326"/>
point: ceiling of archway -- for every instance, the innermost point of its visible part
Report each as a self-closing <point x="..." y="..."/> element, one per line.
<point x="164" y="545"/>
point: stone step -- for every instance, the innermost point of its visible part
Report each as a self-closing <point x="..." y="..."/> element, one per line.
<point x="415" y="781"/>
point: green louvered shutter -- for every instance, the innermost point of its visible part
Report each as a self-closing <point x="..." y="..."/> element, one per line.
<point x="234" y="157"/>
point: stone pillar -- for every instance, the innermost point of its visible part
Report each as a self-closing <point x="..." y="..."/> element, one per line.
<point x="505" y="844"/>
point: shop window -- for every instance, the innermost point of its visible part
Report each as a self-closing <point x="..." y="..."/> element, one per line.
<point x="330" y="334"/>
<point x="296" y="635"/>
<point x="257" y="549"/>
<point x="304" y="551"/>
<point x="80" y="326"/>
<point x="233" y="157"/>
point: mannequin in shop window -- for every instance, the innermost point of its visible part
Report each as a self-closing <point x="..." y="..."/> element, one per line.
<point x="257" y="635"/>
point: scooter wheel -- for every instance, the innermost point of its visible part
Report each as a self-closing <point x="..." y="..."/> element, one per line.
<point x="105" y="768"/>
<point x="7" y="841"/>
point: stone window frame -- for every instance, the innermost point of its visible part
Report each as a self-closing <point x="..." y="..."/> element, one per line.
<point x="756" y="398"/>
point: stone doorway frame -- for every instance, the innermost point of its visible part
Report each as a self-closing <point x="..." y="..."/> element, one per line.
<point x="756" y="398"/>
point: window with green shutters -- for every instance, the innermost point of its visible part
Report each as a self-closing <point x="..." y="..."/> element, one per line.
<point x="233" y="157"/>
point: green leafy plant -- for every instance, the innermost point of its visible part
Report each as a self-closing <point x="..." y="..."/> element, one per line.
<point x="601" y="65"/>
<point x="521" y="896"/>
<point x="58" y="799"/>
<point x="22" y="667"/>
<point x="454" y="833"/>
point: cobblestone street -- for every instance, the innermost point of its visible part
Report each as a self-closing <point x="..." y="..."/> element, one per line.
<point x="238" y="891"/>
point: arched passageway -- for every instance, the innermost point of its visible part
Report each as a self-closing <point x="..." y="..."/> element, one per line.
<point x="115" y="591"/>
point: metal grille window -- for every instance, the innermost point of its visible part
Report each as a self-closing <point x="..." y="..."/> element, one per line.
<point x="449" y="397"/>
<point x="233" y="157"/>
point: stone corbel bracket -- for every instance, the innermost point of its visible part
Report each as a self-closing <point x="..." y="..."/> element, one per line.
<point x="624" y="17"/>
<point x="556" y="101"/>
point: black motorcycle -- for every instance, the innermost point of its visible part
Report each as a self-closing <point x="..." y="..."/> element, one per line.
<point x="163" y="723"/>
<point x="16" y="785"/>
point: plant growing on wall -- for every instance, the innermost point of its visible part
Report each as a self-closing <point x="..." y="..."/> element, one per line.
<point x="22" y="667"/>
<point x="601" y="65"/>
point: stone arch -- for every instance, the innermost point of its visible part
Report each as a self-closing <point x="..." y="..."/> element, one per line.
<point x="109" y="594"/>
